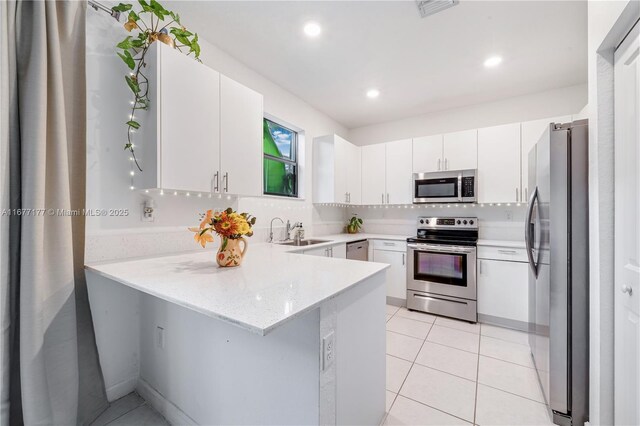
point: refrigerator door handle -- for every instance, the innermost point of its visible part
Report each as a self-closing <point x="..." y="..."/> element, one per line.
<point x="528" y="232"/>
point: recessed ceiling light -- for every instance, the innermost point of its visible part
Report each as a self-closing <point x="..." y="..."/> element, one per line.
<point x="312" y="29"/>
<point x="492" y="61"/>
<point x="373" y="93"/>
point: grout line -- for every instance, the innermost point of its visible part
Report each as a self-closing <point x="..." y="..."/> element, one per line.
<point x="437" y="409"/>
<point x="508" y="362"/>
<point x="446" y="372"/>
<point x="514" y="394"/>
<point x="457" y="329"/>
<point x="475" y="400"/>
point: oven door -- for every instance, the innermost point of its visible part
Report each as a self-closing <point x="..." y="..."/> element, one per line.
<point x="437" y="187"/>
<point x="442" y="269"/>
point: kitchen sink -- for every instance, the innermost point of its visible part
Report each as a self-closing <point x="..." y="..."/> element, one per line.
<point x="303" y="243"/>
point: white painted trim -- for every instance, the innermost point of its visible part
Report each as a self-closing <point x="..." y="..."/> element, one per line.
<point x="171" y="412"/>
<point x="122" y="388"/>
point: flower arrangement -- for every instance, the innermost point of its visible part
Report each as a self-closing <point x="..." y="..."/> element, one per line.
<point x="231" y="226"/>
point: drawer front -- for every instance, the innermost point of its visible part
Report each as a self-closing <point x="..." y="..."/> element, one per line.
<point x="502" y="253"/>
<point x="389" y="245"/>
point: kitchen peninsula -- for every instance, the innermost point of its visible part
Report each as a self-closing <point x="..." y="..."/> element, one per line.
<point x="283" y="339"/>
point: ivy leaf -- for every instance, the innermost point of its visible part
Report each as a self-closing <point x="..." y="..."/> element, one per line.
<point x="180" y="36"/>
<point x="133" y="123"/>
<point x="158" y="10"/>
<point x="144" y="5"/>
<point x="137" y="43"/>
<point x="133" y="16"/>
<point x="128" y="59"/>
<point x="133" y="84"/>
<point x="127" y="146"/>
<point x="175" y="17"/>
<point x="195" y="47"/>
<point x="125" y="44"/>
<point x="122" y="7"/>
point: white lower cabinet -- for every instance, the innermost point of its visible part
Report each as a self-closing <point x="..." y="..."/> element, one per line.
<point x="503" y="291"/>
<point x="395" y="254"/>
<point x="338" y="251"/>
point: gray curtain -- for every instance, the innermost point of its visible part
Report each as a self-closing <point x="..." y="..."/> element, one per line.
<point x="49" y="358"/>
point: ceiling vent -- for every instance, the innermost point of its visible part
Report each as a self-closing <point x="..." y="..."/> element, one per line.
<point x="431" y="7"/>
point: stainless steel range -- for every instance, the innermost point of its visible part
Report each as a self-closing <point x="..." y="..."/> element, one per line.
<point x="441" y="267"/>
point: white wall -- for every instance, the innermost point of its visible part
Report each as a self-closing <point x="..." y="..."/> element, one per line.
<point x="108" y="167"/>
<point x="563" y="101"/>
<point x="602" y="16"/>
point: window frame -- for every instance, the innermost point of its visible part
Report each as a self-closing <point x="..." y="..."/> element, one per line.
<point x="292" y="162"/>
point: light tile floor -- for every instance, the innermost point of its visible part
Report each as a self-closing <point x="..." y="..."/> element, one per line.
<point x="446" y="372"/>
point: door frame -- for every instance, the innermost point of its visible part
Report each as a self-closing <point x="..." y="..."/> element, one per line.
<point x="601" y="210"/>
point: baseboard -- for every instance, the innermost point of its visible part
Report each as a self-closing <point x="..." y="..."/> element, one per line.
<point x="172" y="413"/>
<point x="504" y="322"/>
<point x="396" y="301"/>
<point x="121" y="389"/>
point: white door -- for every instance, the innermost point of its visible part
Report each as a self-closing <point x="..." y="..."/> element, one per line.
<point x="189" y="122"/>
<point x="354" y="174"/>
<point x="399" y="176"/>
<point x="499" y="164"/>
<point x="531" y="132"/>
<point x="460" y="150"/>
<point x="241" y="155"/>
<point x="396" y="274"/>
<point x="503" y="289"/>
<point x="373" y="174"/>
<point x="427" y="154"/>
<point x="627" y="231"/>
<point x="340" y="169"/>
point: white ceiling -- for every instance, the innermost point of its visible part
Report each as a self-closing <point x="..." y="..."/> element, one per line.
<point x="419" y="65"/>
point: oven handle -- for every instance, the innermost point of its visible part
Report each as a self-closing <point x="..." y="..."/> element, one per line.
<point x="441" y="248"/>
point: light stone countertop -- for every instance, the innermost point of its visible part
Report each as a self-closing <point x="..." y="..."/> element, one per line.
<point x="274" y="284"/>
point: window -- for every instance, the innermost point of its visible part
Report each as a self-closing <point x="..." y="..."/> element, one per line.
<point x="280" y="146"/>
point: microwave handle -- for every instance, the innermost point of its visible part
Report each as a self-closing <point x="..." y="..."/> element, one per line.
<point x="460" y="186"/>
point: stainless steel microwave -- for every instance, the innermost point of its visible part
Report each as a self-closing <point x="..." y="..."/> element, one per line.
<point x="451" y="186"/>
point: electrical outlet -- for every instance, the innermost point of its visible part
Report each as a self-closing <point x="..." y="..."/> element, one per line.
<point x="328" y="350"/>
<point x="148" y="211"/>
<point x="160" y="337"/>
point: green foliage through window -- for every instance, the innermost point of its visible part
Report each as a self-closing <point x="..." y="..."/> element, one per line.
<point x="280" y="146"/>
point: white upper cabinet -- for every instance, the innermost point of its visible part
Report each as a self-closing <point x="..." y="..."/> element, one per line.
<point x="531" y="133"/>
<point x="398" y="172"/>
<point x="354" y="174"/>
<point x="206" y="115"/>
<point x="336" y="171"/>
<point x="499" y="164"/>
<point x="189" y="122"/>
<point x="427" y="154"/>
<point x="460" y="150"/>
<point x="373" y="174"/>
<point x="241" y="117"/>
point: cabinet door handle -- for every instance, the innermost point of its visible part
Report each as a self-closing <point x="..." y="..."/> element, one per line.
<point x="349" y="197"/>
<point x="403" y="261"/>
<point x="383" y="198"/>
<point x="507" y="251"/>
<point x="480" y="267"/>
<point x="216" y="178"/>
<point x="446" y="164"/>
<point x="526" y="194"/>
<point x="387" y="198"/>
<point x="439" y="160"/>
<point x="226" y="182"/>
<point x="517" y="199"/>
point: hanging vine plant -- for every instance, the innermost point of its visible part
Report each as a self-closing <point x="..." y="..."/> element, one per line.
<point x="149" y="24"/>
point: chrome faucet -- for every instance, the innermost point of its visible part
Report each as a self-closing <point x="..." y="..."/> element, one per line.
<point x="271" y="228"/>
<point x="291" y="228"/>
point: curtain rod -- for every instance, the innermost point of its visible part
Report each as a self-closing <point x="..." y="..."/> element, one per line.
<point x="99" y="6"/>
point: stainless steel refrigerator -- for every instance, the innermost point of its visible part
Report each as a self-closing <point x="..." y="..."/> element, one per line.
<point x="557" y="239"/>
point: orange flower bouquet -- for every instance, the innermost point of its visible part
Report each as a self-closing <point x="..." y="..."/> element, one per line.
<point x="231" y="226"/>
